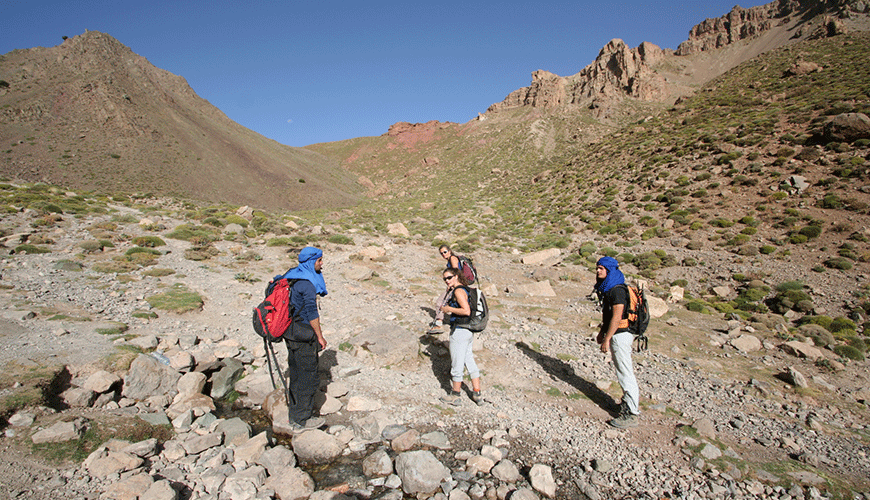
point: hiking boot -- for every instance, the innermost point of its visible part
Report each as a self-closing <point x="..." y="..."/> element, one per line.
<point x="624" y="421"/>
<point x="454" y="398"/>
<point x="435" y="330"/>
<point x="477" y="397"/>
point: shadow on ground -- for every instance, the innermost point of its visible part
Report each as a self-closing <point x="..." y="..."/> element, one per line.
<point x="565" y="372"/>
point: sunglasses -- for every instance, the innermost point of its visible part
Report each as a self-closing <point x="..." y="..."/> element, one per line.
<point x="448" y="278"/>
<point x="444" y="252"/>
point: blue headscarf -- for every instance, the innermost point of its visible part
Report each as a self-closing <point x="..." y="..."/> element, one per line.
<point x="614" y="275"/>
<point x="305" y="270"/>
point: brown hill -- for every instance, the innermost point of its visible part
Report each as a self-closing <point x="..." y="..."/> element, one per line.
<point x="90" y="114"/>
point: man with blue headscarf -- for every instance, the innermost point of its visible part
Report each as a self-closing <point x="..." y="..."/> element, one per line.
<point x="616" y="338"/>
<point x="304" y="338"/>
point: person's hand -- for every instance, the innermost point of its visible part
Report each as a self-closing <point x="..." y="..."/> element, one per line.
<point x="444" y="309"/>
<point x="605" y="346"/>
<point x="322" y="341"/>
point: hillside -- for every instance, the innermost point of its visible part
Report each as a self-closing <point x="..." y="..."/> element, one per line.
<point x="91" y="115"/>
<point x="735" y="178"/>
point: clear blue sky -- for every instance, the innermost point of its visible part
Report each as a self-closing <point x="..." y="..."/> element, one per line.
<point x="303" y="72"/>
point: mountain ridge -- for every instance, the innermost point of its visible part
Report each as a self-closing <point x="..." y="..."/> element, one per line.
<point x="93" y="115"/>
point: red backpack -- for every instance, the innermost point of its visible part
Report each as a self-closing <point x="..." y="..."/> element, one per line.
<point x="275" y="314"/>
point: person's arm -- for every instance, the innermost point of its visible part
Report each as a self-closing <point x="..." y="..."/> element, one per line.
<point x="605" y="336"/>
<point x="315" y="325"/>
<point x="462" y="299"/>
<point x="453" y="262"/>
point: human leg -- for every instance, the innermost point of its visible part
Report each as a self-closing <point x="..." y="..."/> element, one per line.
<point x="302" y="379"/>
<point x="620" y="347"/>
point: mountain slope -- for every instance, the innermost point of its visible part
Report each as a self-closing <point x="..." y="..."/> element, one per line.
<point x="90" y="114"/>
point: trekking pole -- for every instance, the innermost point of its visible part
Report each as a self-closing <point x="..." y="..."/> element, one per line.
<point x="287" y="393"/>
<point x="268" y="348"/>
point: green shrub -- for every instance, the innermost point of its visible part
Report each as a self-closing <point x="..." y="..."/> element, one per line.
<point x="820" y="320"/>
<point x="30" y="249"/>
<point x="811" y="231"/>
<point x="189" y="232"/>
<point x="91" y="246"/>
<point x="841" y="263"/>
<point x="340" y="239"/>
<point x="840" y="324"/>
<point x="849" y="352"/>
<point x="237" y="219"/>
<point x="281" y="241"/>
<point x="177" y="299"/>
<point x="137" y="250"/>
<point x="820" y="335"/>
<point x="148" y="241"/>
<point x="723" y="223"/>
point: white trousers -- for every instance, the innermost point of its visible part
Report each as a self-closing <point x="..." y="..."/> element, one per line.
<point x="620" y="349"/>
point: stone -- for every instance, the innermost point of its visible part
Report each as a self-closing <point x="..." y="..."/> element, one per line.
<point x="420" y="472"/>
<point x="196" y="444"/>
<point x="235" y="430"/>
<point x="705" y="428"/>
<point x="541" y="478"/>
<point x="190" y="383"/>
<point x="802" y="350"/>
<point x="795" y="378"/>
<point x="101" y="381"/>
<point x="436" y="439"/>
<point x="847" y="127"/>
<point x="506" y="471"/>
<point x="398" y="229"/>
<point x="159" y="490"/>
<point x="224" y="381"/>
<point x="378" y="464"/>
<point x="276" y="458"/>
<point x="366" y="428"/>
<point x="148" y="377"/>
<point x="540" y="257"/>
<point x="60" y="432"/>
<point x="479" y="463"/>
<point x="252" y="451"/>
<point x="103" y="463"/>
<point x="315" y="446"/>
<point x="291" y="483"/>
<point x="142" y="449"/>
<point x="77" y="397"/>
<point x="657" y="307"/>
<point x="710" y="451"/>
<point x="131" y="488"/>
<point x="746" y="343"/>
<point x="406" y="441"/>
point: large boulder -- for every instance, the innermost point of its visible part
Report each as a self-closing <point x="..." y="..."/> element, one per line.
<point x="149" y="377"/>
<point x="847" y="127"/>
<point x="420" y="472"/>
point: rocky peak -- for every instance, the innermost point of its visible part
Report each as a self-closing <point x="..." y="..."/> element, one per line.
<point x="617" y="71"/>
<point x="621" y="72"/>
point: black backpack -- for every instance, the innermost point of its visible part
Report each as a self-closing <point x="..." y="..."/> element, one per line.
<point x="479" y="311"/>
<point x="638" y="315"/>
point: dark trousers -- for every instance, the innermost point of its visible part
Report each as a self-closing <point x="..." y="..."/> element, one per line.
<point x="302" y="378"/>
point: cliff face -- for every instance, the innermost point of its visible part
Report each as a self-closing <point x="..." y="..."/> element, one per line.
<point x="617" y="71"/>
<point x="621" y="72"/>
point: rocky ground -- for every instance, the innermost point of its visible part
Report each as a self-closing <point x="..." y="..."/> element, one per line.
<point x="718" y="421"/>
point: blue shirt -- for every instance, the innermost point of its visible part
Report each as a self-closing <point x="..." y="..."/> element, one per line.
<point x="303" y="296"/>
